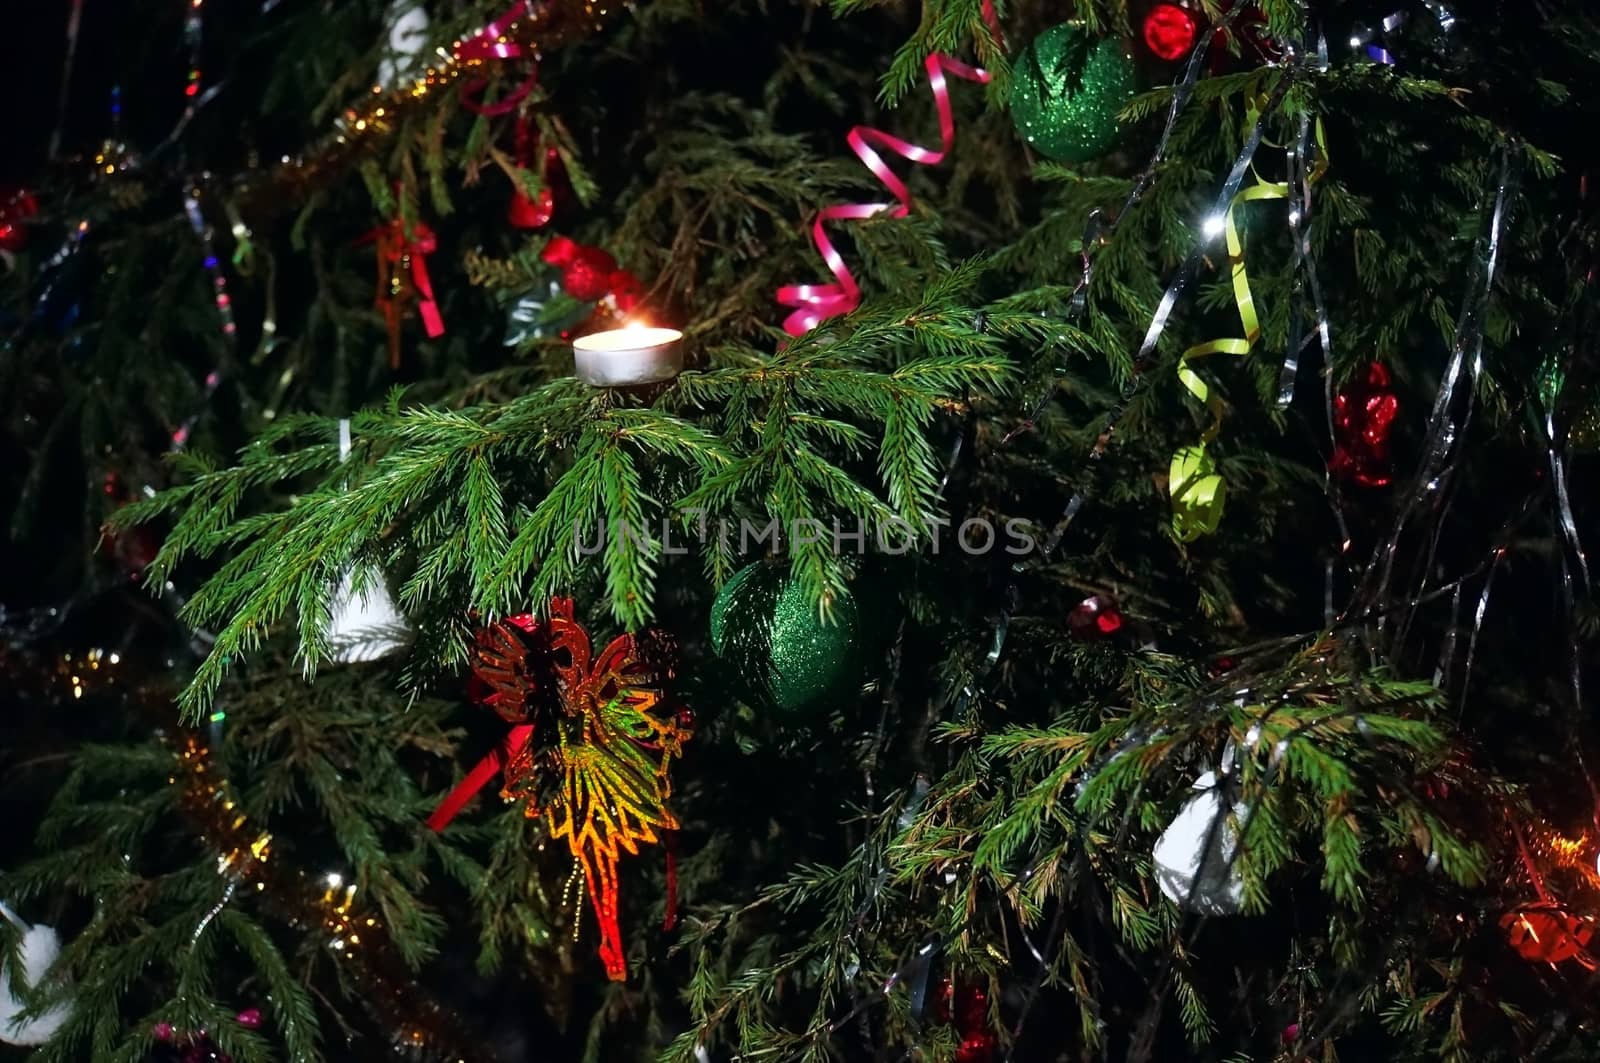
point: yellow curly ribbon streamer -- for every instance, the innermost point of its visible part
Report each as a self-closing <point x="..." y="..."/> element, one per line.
<point x="1195" y="485"/>
<point x="1197" y="493"/>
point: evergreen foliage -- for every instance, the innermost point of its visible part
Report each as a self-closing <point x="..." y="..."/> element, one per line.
<point x="1388" y="679"/>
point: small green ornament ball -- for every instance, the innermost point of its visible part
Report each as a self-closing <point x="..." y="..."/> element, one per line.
<point x="1583" y="433"/>
<point x="780" y="655"/>
<point x="1066" y="90"/>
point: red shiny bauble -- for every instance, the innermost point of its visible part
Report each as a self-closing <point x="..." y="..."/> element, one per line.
<point x="535" y="212"/>
<point x="16" y="206"/>
<point x="1249" y="35"/>
<point x="560" y="251"/>
<point x="1169" y="31"/>
<point x="136" y="550"/>
<point x="1096" y="617"/>
<point x="1547" y="933"/>
<point x="530" y="212"/>
<point x="1364" y="412"/>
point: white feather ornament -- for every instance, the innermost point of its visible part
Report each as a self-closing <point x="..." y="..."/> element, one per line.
<point x="39" y="948"/>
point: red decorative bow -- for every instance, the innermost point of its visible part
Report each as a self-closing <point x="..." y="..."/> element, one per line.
<point x="403" y="271"/>
<point x="601" y="782"/>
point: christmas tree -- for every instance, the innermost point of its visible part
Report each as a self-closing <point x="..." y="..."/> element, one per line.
<point x="876" y="530"/>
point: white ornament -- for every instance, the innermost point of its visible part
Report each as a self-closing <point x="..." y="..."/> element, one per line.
<point x="408" y="35"/>
<point x="1195" y="855"/>
<point x="365" y="626"/>
<point x="40" y="947"/>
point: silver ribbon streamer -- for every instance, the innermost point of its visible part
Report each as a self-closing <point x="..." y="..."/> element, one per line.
<point x="1446" y="424"/>
<point x="1304" y="264"/>
<point x="74" y="22"/>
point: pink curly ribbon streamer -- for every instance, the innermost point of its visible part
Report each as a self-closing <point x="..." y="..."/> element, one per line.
<point x="816" y="303"/>
<point x="488" y="43"/>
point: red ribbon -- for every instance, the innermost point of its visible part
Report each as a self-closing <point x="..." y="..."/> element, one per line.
<point x="669" y="917"/>
<point x="492" y="764"/>
<point x="422" y="244"/>
<point x="395" y="249"/>
<point x="491" y="43"/>
<point x="816" y="303"/>
<point x="486" y="769"/>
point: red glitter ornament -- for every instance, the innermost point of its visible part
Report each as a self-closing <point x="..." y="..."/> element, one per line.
<point x="16" y="206"/>
<point x="1364" y="413"/>
<point x="1096" y="617"/>
<point x="1169" y="31"/>
<point x="1547" y="933"/>
<point x="585" y="271"/>
<point x="968" y="1005"/>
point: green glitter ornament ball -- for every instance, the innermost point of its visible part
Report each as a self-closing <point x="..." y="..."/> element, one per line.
<point x="780" y="655"/>
<point x="1583" y="431"/>
<point x="1066" y="90"/>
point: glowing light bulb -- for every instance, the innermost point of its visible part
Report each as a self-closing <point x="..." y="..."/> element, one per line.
<point x="1213" y="226"/>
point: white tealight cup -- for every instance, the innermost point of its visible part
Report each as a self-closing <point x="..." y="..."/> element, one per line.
<point x="623" y="357"/>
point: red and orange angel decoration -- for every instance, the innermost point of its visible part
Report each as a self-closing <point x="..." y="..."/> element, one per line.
<point x="590" y="747"/>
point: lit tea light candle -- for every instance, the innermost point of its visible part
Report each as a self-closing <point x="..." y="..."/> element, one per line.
<point x="634" y="354"/>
